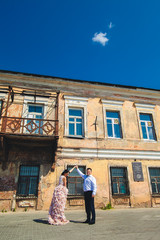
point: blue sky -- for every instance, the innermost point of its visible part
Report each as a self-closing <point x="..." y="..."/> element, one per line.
<point x="59" y="38"/>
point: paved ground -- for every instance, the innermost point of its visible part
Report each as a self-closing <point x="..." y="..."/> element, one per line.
<point x="111" y="225"/>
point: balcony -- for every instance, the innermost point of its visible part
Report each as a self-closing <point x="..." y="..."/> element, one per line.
<point x="29" y="126"/>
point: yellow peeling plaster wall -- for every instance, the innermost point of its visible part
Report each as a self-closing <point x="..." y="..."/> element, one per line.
<point x="9" y="176"/>
<point x="140" y="192"/>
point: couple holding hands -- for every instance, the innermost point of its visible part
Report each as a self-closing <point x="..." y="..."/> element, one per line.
<point x="56" y="210"/>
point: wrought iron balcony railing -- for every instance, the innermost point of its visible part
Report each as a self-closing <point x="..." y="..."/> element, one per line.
<point x="30" y="126"/>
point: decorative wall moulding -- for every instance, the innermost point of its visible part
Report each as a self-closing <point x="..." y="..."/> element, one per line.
<point x="75" y="98"/>
<point x="112" y="102"/>
<point x="145" y="106"/>
<point x="107" y="154"/>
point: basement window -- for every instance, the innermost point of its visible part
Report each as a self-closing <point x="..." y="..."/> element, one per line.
<point x="155" y="180"/>
<point x="119" y="181"/>
<point x="28" y="181"/>
<point x="75" y="181"/>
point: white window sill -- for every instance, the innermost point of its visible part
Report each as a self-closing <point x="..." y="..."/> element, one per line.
<point x="114" y="138"/>
<point x="149" y="140"/>
<point x="77" y="137"/>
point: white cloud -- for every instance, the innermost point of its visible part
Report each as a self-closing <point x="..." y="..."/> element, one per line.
<point x="101" y="38"/>
<point x="111" y="25"/>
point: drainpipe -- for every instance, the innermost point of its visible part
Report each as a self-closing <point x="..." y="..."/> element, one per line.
<point x="56" y="131"/>
<point x="56" y="114"/>
<point x="13" y="202"/>
<point x="6" y="110"/>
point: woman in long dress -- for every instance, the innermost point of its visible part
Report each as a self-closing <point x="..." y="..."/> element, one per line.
<point x="56" y="210"/>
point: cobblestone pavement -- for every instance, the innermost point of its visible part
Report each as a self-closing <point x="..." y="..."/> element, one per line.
<point x="115" y="224"/>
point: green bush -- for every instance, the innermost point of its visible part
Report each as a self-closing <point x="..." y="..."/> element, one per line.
<point x="108" y="206"/>
<point x="4" y="210"/>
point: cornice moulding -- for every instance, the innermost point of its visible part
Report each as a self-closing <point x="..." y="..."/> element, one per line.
<point x="74" y="98"/>
<point x="145" y="106"/>
<point x="112" y="102"/>
<point x="107" y="154"/>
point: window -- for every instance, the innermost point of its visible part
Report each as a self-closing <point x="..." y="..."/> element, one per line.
<point x="28" y="180"/>
<point x="155" y="180"/>
<point x="73" y="127"/>
<point x="147" y="127"/>
<point x="76" y="122"/>
<point x="75" y="181"/>
<point x="36" y="112"/>
<point x="119" y="181"/>
<point x="113" y="124"/>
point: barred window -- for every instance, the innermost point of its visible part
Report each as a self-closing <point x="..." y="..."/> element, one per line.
<point x="155" y="180"/>
<point x="119" y="181"/>
<point x="28" y="180"/>
<point x="75" y="181"/>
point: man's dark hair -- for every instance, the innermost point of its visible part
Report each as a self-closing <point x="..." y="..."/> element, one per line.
<point x="89" y="168"/>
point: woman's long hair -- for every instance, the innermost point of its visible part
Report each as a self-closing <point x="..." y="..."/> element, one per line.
<point x="65" y="171"/>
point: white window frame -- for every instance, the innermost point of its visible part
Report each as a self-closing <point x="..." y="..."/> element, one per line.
<point x="146" y="126"/>
<point x="3" y="98"/>
<point x="146" y="109"/>
<point x="113" y="106"/>
<point x="32" y="115"/>
<point x="75" y="123"/>
<point x="30" y="100"/>
<point x="113" y="123"/>
<point x="39" y="101"/>
<point x="74" y="102"/>
<point x="36" y="113"/>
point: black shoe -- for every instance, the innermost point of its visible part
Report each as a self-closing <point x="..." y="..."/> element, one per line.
<point x="87" y="221"/>
<point x="91" y="222"/>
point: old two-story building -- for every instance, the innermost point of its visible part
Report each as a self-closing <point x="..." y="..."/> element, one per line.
<point x="49" y="124"/>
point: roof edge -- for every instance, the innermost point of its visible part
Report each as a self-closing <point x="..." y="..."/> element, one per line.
<point x="77" y="80"/>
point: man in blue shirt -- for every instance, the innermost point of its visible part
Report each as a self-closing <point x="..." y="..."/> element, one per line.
<point x="89" y="188"/>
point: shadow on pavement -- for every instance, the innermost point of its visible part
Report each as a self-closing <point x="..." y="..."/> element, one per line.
<point x="44" y="221"/>
<point x="41" y="220"/>
<point x="75" y="221"/>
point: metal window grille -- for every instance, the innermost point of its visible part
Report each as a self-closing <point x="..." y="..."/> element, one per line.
<point x="119" y="181"/>
<point x="155" y="180"/>
<point x="75" y="182"/>
<point x="28" y="180"/>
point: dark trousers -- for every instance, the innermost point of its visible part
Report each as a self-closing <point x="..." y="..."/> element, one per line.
<point x="89" y="205"/>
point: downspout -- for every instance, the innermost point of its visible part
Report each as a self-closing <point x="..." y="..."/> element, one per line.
<point x="6" y="110"/>
<point x="3" y="140"/>
<point x="53" y="168"/>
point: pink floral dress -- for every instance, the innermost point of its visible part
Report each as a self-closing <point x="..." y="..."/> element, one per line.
<point x="56" y="210"/>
